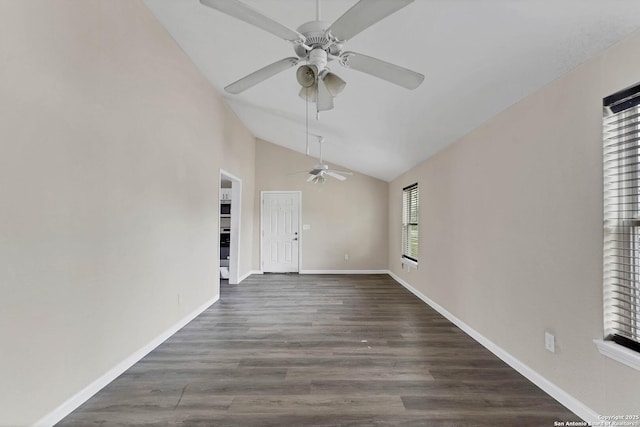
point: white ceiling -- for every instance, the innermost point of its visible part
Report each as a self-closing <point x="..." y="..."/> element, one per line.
<point x="478" y="57"/>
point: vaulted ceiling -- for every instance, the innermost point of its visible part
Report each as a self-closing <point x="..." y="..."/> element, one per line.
<point x="478" y="57"/>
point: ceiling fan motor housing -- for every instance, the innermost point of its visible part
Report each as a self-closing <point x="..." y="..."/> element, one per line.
<point x="315" y="33"/>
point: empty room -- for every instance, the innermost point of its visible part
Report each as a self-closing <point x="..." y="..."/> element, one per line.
<point x="319" y="212"/>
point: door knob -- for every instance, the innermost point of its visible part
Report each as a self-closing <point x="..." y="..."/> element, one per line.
<point x="295" y="238"/>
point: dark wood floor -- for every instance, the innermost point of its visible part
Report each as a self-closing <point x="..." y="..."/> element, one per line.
<point x="287" y="350"/>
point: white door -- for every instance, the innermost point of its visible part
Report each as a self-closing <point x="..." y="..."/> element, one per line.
<point x="280" y="233"/>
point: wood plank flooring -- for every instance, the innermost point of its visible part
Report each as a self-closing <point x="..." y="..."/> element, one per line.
<point x="289" y="350"/>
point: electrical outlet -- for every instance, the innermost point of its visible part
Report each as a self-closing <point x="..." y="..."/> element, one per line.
<point x="346" y="257"/>
<point x="550" y="342"/>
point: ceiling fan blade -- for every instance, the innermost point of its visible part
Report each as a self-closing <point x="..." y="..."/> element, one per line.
<point x="335" y="175"/>
<point x="311" y="178"/>
<point x="324" y="98"/>
<point x="297" y="173"/>
<point x="362" y="15"/>
<point x="381" y="69"/>
<point x="342" y="172"/>
<point x="261" y="75"/>
<point x="252" y="16"/>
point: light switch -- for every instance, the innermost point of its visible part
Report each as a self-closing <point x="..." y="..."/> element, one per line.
<point x="306" y="226"/>
<point x="550" y="342"/>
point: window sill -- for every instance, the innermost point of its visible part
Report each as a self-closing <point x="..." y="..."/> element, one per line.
<point x="619" y="353"/>
<point x="409" y="262"/>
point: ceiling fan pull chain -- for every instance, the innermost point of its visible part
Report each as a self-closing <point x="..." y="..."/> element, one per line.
<point x="306" y="117"/>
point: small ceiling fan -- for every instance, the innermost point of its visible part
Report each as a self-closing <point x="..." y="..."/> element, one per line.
<point x="319" y="171"/>
<point x="317" y="43"/>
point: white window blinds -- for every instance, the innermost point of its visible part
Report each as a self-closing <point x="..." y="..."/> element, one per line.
<point x="410" y="222"/>
<point x="621" y="128"/>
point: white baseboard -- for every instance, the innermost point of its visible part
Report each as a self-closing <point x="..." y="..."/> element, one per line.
<point x="85" y="394"/>
<point x="247" y="274"/>
<point x="573" y="404"/>
<point x="344" y="272"/>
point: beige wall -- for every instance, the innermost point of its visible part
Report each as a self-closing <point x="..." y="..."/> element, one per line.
<point x="110" y="148"/>
<point x="345" y="217"/>
<point x="511" y="231"/>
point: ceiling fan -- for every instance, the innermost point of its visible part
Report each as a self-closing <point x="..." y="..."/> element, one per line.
<point x="319" y="171"/>
<point x="317" y="43"/>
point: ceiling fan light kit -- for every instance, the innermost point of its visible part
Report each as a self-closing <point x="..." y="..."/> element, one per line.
<point x="317" y="43"/>
<point x="306" y="76"/>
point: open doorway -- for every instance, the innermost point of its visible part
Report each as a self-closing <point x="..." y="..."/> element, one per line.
<point x="230" y="210"/>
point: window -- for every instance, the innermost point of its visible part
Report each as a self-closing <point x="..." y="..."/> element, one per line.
<point x="410" y="224"/>
<point x="621" y="129"/>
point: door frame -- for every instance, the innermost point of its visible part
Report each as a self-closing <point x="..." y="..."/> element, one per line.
<point x="262" y="193"/>
<point x="236" y="212"/>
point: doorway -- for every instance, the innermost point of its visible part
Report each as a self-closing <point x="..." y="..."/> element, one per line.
<point x="280" y="233"/>
<point x="230" y="202"/>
